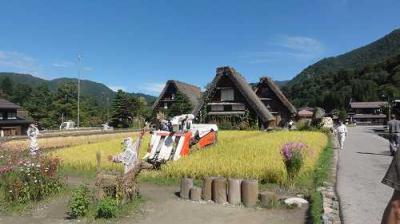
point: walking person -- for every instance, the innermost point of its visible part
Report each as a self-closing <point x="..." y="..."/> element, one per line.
<point x="394" y="134"/>
<point x="391" y="214"/>
<point x="341" y="132"/>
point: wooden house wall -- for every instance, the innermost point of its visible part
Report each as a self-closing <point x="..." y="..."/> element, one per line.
<point x="226" y="82"/>
<point x="167" y="97"/>
<point x="283" y="114"/>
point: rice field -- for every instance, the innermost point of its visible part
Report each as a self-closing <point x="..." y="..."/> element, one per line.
<point x="243" y="154"/>
<point x="63" y="142"/>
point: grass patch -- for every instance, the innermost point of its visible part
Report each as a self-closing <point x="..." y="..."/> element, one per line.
<point x="15" y="208"/>
<point x="322" y="174"/>
<point x="124" y="211"/>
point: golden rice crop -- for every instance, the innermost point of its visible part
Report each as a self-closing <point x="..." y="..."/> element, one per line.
<point x="243" y="154"/>
<point x="62" y="142"/>
<point x="248" y="155"/>
<point x="83" y="157"/>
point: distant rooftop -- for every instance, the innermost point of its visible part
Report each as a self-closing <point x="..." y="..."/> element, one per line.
<point x="365" y="105"/>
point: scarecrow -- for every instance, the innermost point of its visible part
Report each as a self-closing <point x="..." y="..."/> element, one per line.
<point x="129" y="154"/>
<point x="33" y="133"/>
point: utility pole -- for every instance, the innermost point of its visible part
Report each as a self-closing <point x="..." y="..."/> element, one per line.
<point x="79" y="88"/>
<point x="108" y="110"/>
<point x="389" y="108"/>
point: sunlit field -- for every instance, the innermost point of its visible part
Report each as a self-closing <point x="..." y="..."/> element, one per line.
<point x="243" y="154"/>
<point x="62" y="142"/>
<point x="248" y="155"/>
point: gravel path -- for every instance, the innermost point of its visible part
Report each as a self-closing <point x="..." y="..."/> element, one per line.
<point x="163" y="206"/>
<point x="362" y="165"/>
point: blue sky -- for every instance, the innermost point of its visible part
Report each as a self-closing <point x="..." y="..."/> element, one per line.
<point x="138" y="45"/>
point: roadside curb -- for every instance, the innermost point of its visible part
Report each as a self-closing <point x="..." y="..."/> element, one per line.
<point x="331" y="206"/>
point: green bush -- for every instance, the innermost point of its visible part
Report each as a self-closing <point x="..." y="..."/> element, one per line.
<point x="107" y="208"/>
<point x="80" y="201"/>
<point x="303" y="125"/>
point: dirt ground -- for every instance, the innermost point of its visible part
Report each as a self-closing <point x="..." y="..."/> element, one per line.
<point x="163" y="206"/>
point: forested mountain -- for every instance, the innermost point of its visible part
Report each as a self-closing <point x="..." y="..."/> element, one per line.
<point x="51" y="102"/>
<point x="98" y="91"/>
<point x="373" y="53"/>
<point x="333" y="90"/>
<point x="368" y="73"/>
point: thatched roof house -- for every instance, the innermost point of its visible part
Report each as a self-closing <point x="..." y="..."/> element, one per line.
<point x="167" y="96"/>
<point x="275" y="101"/>
<point x="11" y="123"/>
<point x="230" y="101"/>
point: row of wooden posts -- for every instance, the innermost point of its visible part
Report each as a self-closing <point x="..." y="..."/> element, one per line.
<point x="222" y="190"/>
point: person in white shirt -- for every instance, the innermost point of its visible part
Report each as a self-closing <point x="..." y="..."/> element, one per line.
<point x="341" y="132"/>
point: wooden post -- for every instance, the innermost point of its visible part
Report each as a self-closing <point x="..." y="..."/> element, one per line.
<point x="207" y="186"/>
<point x="234" y="196"/>
<point x="195" y="194"/>
<point x="249" y="192"/>
<point x="186" y="185"/>
<point x="267" y="198"/>
<point x="219" y="190"/>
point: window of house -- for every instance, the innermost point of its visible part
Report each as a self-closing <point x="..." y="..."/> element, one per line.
<point x="227" y="95"/>
<point x="12" y="116"/>
<point x="238" y="107"/>
<point x="217" y="108"/>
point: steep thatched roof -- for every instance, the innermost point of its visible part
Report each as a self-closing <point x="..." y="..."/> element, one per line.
<point x="192" y="92"/>
<point x="275" y="88"/>
<point x="5" y="104"/>
<point x="245" y="89"/>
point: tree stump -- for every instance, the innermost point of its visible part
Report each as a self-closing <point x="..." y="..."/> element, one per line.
<point x="186" y="185"/>
<point x="195" y="194"/>
<point x="207" y="188"/>
<point x="267" y="198"/>
<point x="219" y="190"/>
<point x="234" y="196"/>
<point x="249" y="192"/>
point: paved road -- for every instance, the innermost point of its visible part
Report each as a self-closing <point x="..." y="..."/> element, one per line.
<point x="362" y="164"/>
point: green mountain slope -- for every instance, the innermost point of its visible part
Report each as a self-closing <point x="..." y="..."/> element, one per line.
<point x="334" y="90"/>
<point x="95" y="90"/>
<point x="373" y="53"/>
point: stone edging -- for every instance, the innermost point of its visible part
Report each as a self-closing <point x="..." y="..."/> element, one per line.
<point x="330" y="198"/>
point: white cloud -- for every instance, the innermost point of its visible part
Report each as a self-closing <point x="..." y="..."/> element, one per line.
<point x="287" y="48"/>
<point x="68" y="64"/>
<point x="87" y="69"/>
<point x="152" y="88"/>
<point x="63" y="64"/>
<point x="116" y="88"/>
<point x="301" y="44"/>
<point x="17" y="62"/>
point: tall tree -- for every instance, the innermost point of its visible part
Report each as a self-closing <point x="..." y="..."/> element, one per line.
<point x="181" y="105"/>
<point x="65" y="102"/>
<point x="40" y="106"/>
<point x="124" y="108"/>
<point x="21" y="94"/>
<point x="7" y="87"/>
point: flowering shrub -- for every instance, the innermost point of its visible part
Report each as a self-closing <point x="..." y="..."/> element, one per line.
<point x="292" y="154"/>
<point x="24" y="179"/>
